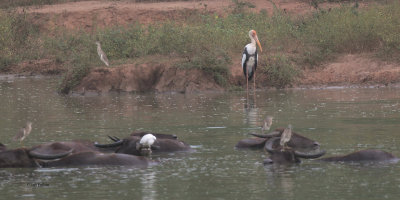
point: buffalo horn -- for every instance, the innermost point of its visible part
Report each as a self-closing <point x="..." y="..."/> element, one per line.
<point x="269" y="144"/>
<point x="115" y="144"/>
<point x="309" y="156"/>
<point x="269" y="135"/>
<point x="49" y="156"/>
<point x="114" y="138"/>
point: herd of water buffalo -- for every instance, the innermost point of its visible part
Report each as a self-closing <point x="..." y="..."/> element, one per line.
<point x="129" y="151"/>
<point x="302" y="147"/>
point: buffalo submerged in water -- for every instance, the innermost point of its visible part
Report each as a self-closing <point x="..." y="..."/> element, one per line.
<point x="289" y="156"/>
<point x="297" y="141"/>
<point x="131" y="145"/>
<point x="60" y="154"/>
<point x="126" y="152"/>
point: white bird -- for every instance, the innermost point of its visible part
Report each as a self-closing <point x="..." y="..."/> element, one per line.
<point x="24" y="132"/>
<point x="102" y="55"/>
<point x="147" y="140"/>
<point x="267" y="124"/>
<point x="250" y="58"/>
<point x="286" y="136"/>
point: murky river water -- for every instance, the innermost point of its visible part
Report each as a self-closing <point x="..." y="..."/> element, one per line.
<point x="341" y="120"/>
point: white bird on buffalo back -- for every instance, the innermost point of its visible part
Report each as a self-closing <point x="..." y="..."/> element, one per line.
<point x="145" y="143"/>
<point x="147" y="140"/>
<point x="250" y="58"/>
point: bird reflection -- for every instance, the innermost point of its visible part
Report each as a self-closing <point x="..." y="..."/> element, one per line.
<point x="251" y="111"/>
<point x="149" y="190"/>
<point x="281" y="178"/>
<point x="287" y="186"/>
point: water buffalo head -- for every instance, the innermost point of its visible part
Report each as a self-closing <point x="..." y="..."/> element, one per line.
<point x="297" y="141"/>
<point x="286" y="156"/>
<point x="23" y="157"/>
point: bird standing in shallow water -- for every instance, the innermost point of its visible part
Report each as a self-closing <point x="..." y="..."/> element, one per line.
<point x="102" y="55"/>
<point x="250" y="58"/>
<point x="267" y="124"/>
<point x="285" y="137"/>
<point x="23" y="133"/>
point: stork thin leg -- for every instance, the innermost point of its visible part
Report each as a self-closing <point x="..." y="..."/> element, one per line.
<point x="254" y="87"/>
<point x="247" y="82"/>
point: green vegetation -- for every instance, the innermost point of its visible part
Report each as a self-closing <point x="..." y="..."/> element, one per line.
<point x="280" y="71"/>
<point x="208" y="41"/>
<point x="18" y="39"/>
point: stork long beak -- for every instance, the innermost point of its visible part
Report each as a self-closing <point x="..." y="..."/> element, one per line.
<point x="258" y="43"/>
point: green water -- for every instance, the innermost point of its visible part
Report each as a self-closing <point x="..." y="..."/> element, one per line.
<point x="341" y="120"/>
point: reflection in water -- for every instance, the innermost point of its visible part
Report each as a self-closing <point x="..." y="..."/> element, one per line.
<point x="281" y="176"/>
<point x="251" y="111"/>
<point x="287" y="186"/>
<point x="149" y="189"/>
<point x="342" y="121"/>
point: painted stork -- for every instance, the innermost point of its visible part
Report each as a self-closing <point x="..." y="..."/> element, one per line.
<point x="23" y="133"/>
<point x="250" y="58"/>
<point x="285" y="137"/>
<point x="102" y="55"/>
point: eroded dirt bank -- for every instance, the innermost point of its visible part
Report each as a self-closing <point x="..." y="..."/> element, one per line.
<point x="355" y="69"/>
<point x="147" y="77"/>
<point x="348" y="70"/>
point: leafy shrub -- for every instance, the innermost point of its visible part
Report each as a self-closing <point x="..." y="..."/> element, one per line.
<point x="213" y="62"/>
<point x="280" y="71"/>
<point x="18" y="38"/>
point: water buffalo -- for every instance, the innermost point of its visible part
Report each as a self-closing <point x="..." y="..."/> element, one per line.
<point x="99" y="159"/>
<point x="2" y="147"/>
<point x="292" y="156"/>
<point x="366" y="155"/>
<point x="130" y="145"/>
<point x="297" y="141"/>
<point x="23" y="157"/>
<point x="75" y="146"/>
<point x="285" y="156"/>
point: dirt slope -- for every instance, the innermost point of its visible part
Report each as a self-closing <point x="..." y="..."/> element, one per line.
<point x="89" y="14"/>
<point x="347" y="70"/>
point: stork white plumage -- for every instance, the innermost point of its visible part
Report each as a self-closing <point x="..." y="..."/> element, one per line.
<point x="147" y="140"/>
<point x="102" y="55"/>
<point x="250" y="58"/>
